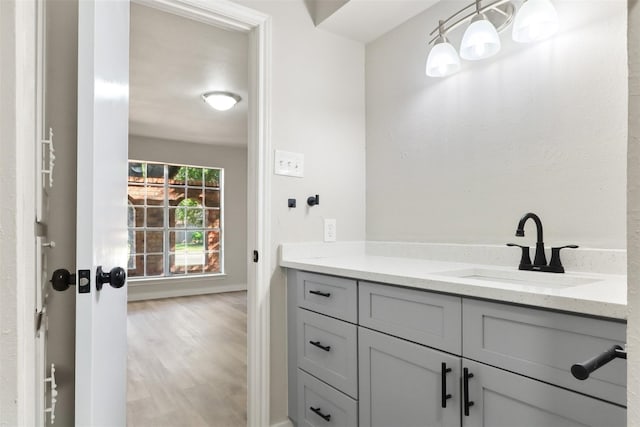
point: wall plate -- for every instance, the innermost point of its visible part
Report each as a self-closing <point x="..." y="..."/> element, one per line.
<point x="288" y="164"/>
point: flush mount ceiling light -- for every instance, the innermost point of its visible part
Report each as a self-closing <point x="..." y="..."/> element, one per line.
<point x="536" y="20"/>
<point x="221" y="101"/>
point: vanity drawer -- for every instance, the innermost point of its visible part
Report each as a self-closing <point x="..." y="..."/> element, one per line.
<point x="544" y="345"/>
<point x="332" y="408"/>
<point x="423" y="317"/>
<point x="333" y="296"/>
<point x="333" y="357"/>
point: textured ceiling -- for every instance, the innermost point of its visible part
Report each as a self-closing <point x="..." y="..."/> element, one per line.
<point x="175" y="60"/>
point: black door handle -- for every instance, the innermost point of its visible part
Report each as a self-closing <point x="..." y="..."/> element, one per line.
<point x="317" y="344"/>
<point x="116" y="277"/>
<point x="61" y="279"/>
<point x="465" y="380"/>
<point x="322" y="294"/>
<point x="445" y="396"/>
<point x="326" y="417"/>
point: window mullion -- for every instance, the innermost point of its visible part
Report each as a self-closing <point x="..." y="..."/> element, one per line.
<point x="165" y="247"/>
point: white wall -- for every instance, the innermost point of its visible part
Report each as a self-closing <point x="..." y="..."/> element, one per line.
<point x="318" y="110"/>
<point x="234" y="162"/>
<point x="8" y="220"/>
<point x="539" y="128"/>
<point x="633" y="298"/>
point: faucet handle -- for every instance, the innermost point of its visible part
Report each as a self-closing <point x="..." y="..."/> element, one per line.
<point x="555" y="265"/>
<point x="525" y="260"/>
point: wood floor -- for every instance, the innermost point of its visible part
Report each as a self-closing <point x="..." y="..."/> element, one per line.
<point x="187" y="361"/>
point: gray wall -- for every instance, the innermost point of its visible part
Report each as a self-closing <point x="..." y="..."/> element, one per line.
<point x="61" y="93"/>
<point x="540" y="127"/>
<point x="234" y="162"/>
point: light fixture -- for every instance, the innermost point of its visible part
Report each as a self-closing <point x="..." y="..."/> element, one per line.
<point x="220" y="100"/>
<point x="481" y="39"/>
<point x="536" y="20"/>
<point x="443" y="58"/>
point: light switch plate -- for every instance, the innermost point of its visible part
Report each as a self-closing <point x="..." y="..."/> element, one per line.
<point x="288" y="164"/>
<point x="330" y="230"/>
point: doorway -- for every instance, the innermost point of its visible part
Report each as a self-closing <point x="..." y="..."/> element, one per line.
<point x="257" y="28"/>
<point x="187" y="222"/>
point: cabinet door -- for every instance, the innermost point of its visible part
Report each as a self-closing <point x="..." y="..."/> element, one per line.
<point x="504" y="399"/>
<point x="401" y="383"/>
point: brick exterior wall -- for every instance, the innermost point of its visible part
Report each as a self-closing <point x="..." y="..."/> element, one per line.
<point x="154" y="191"/>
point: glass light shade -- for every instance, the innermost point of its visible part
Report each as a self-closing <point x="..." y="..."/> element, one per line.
<point x="536" y="20"/>
<point x="480" y="40"/>
<point x="221" y="101"/>
<point x="443" y="60"/>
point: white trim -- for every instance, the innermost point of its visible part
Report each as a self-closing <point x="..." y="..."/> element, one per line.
<point x="286" y="423"/>
<point x="18" y="103"/>
<point x="229" y="15"/>
<point x="141" y="293"/>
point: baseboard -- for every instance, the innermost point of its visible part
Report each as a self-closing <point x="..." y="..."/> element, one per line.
<point x="285" y="423"/>
<point x="141" y="293"/>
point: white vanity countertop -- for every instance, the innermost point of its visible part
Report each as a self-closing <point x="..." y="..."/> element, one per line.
<point x="605" y="295"/>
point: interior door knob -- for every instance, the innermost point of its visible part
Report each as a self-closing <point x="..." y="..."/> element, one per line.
<point x="61" y="279"/>
<point x="116" y="277"/>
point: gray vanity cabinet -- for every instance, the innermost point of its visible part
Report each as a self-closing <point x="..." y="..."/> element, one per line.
<point x="376" y="355"/>
<point x="401" y="383"/>
<point x="503" y="399"/>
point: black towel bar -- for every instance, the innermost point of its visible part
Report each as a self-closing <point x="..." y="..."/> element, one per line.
<point x="582" y="370"/>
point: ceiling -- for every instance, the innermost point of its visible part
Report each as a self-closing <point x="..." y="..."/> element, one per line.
<point x="173" y="61"/>
<point x="366" y="20"/>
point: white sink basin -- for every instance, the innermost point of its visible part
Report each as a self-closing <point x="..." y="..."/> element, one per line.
<point x="521" y="278"/>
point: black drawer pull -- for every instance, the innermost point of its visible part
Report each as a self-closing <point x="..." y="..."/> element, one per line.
<point x="582" y="370"/>
<point x="326" y="417"/>
<point x="465" y="380"/>
<point x="445" y="396"/>
<point x="322" y="294"/>
<point x="317" y="344"/>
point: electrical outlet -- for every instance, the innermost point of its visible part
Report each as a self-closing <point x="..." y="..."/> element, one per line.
<point x="330" y="230"/>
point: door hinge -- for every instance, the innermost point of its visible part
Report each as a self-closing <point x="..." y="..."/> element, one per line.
<point x="39" y="317"/>
<point x="255" y="256"/>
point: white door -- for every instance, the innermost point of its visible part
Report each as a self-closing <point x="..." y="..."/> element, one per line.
<point x="103" y="109"/>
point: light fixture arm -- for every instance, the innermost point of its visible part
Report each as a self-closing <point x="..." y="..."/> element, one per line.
<point x="444" y="26"/>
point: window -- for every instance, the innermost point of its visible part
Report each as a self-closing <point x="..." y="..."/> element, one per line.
<point x="174" y="220"/>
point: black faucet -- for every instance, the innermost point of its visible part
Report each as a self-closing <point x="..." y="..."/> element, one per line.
<point x="540" y="260"/>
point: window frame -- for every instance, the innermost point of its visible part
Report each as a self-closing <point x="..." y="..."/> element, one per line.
<point x="167" y="229"/>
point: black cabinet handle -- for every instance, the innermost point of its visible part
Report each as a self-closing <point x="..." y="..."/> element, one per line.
<point x="322" y="294"/>
<point x="317" y="344"/>
<point x="465" y="380"/>
<point x="445" y="396"/>
<point x="582" y="370"/>
<point x="326" y="417"/>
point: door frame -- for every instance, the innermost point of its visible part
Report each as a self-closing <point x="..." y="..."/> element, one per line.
<point x="232" y="16"/>
<point x="221" y="13"/>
